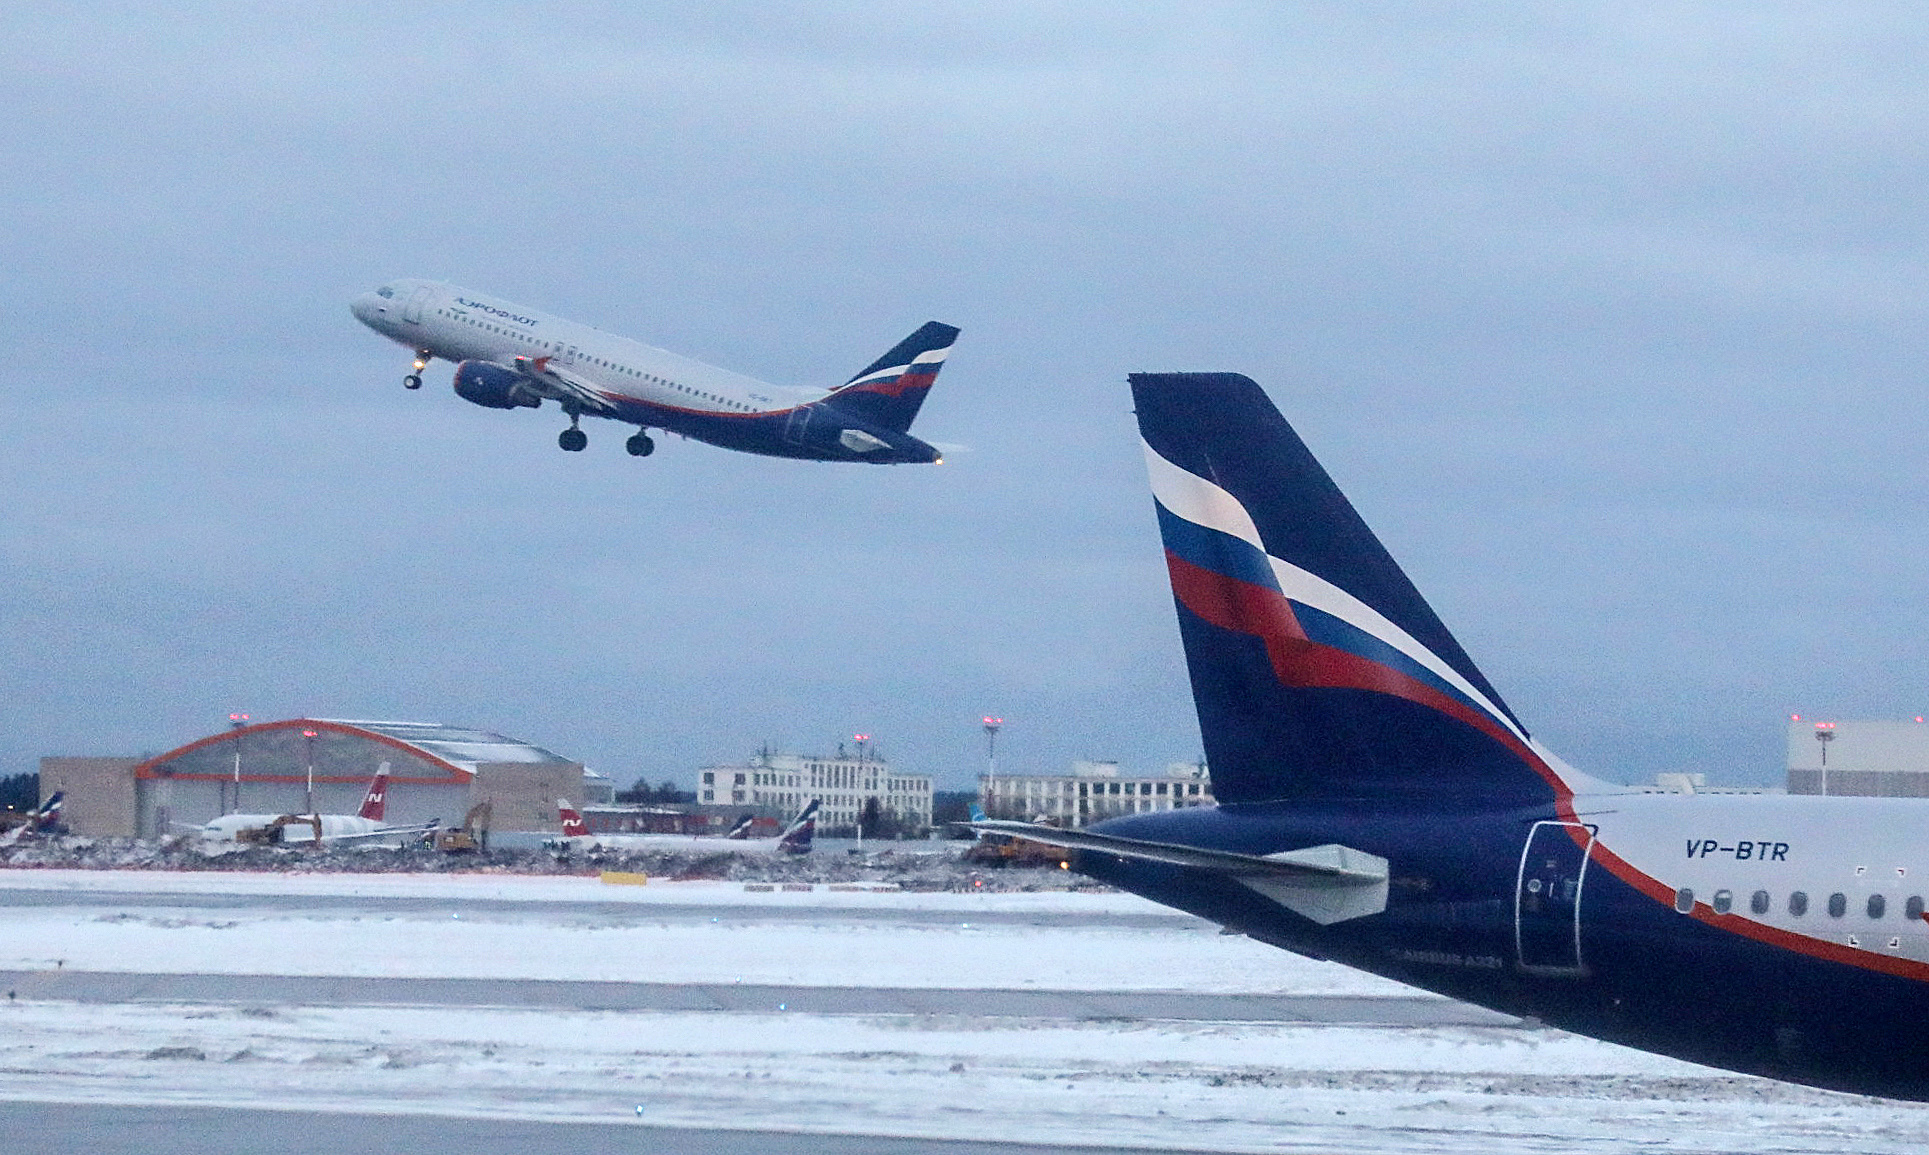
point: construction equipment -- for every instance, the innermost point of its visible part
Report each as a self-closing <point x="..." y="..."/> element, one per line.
<point x="471" y="836"/>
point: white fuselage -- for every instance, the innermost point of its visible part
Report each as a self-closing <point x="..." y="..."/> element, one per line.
<point x="1777" y="862"/>
<point x="458" y="324"/>
<point x="229" y="827"/>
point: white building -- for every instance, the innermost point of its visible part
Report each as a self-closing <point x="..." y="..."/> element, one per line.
<point x="1881" y="759"/>
<point x="1093" y="792"/>
<point x="842" y="784"/>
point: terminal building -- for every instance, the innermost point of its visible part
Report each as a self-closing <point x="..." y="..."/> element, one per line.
<point x="1093" y="792"/>
<point x="842" y="784"/>
<point x="436" y="773"/>
<point x="1877" y="759"/>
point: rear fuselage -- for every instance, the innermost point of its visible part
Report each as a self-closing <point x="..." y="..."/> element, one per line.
<point x="1774" y="934"/>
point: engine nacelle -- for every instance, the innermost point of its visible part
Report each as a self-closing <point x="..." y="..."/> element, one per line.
<point x="493" y="387"/>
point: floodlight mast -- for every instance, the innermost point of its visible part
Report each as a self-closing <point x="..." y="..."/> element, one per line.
<point x="308" y="745"/>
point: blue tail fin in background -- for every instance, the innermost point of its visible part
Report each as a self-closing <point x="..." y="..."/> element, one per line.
<point x="889" y="390"/>
<point x="1319" y="672"/>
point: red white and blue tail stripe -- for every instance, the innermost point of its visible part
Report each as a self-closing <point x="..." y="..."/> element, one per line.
<point x="890" y="389"/>
<point x="1319" y="671"/>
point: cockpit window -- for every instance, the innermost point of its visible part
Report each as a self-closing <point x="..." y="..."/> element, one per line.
<point x="385" y="292"/>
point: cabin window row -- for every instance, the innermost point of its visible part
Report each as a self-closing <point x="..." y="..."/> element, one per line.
<point x="1876" y="906"/>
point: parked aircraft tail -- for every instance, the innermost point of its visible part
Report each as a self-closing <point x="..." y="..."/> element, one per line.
<point x="741" y="830"/>
<point x="1319" y="671"/>
<point x="887" y="393"/>
<point x="573" y="824"/>
<point x="375" y="803"/>
<point x="796" y="837"/>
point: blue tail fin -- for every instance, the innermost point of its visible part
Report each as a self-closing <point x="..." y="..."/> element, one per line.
<point x="1318" y="670"/>
<point x="889" y="390"/>
<point x="796" y="838"/>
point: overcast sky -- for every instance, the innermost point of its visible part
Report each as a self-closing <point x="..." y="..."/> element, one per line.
<point x="1609" y="317"/>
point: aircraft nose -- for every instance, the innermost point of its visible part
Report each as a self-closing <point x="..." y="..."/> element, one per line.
<point x="366" y="308"/>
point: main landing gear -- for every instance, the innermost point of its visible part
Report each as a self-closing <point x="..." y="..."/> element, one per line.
<point x="414" y="379"/>
<point x="640" y="444"/>
<point x="573" y="439"/>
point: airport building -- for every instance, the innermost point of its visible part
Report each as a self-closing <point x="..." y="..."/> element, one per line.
<point x="436" y="773"/>
<point x="1092" y="792"/>
<point x="1875" y="759"/>
<point x="842" y="784"/>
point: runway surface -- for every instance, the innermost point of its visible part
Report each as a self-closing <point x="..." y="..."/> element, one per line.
<point x="110" y="987"/>
<point x="58" y="1129"/>
<point x="615" y="913"/>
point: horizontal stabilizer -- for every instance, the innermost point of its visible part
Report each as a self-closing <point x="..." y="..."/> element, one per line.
<point x="1327" y="884"/>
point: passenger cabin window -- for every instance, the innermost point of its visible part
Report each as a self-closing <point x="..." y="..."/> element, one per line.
<point x="1758" y="902"/>
<point x="1684" y="900"/>
<point x="1838" y="904"/>
<point x="1877" y="904"/>
<point x="1912" y="910"/>
<point x="1724" y="901"/>
<point x="1798" y="904"/>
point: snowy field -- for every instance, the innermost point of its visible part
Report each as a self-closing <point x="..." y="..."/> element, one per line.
<point x="1179" y="1085"/>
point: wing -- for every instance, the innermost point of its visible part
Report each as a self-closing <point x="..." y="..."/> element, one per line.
<point x="561" y="385"/>
<point x="384" y="832"/>
<point x="1327" y="884"/>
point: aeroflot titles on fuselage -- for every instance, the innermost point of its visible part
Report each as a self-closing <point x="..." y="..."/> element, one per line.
<point x="492" y="310"/>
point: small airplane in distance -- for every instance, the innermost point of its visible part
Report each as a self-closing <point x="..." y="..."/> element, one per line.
<point x="42" y="819"/>
<point x="795" y="838"/>
<point x="510" y="357"/>
<point x="314" y="829"/>
<point x="1381" y="806"/>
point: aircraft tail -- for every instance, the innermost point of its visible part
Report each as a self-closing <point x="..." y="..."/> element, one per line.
<point x="741" y="830"/>
<point x="573" y="824"/>
<point x="887" y="392"/>
<point x="796" y="837"/>
<point x="48" y="816"/>
<point x="375" y="802"/>
<point x="1318" y="670"/>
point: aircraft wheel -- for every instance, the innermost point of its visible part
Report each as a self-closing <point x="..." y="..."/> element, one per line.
<point x="572" y="440"/>
<point x="412" y="381"/>
<point x="640" y="445"/>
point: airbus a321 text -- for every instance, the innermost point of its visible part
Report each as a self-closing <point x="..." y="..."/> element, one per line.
<point x="510" y="357"/>
<point x="1380" y="805"/>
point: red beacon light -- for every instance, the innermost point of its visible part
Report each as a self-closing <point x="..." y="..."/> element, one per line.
<point x="1825" y="725"/>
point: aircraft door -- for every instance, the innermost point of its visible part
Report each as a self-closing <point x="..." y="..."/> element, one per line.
<point x="568" y="355"/>
<point x="797" y="426"/>
<point x="1547" y="897"/>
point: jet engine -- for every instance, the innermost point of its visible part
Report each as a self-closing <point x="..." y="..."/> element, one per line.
<point x="494" y="387"/>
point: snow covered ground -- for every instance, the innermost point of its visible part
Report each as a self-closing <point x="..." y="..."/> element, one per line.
<point x="1177" y="1085"/>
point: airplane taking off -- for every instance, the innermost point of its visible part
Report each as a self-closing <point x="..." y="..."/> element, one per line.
<point x="795" y="839"/>
<point x="1380" y="805"/>
<point x="509" y="357"/>
<point x="314" y="829"/>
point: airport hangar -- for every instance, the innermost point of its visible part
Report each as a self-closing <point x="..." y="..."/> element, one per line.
<point x="436" y="773"/>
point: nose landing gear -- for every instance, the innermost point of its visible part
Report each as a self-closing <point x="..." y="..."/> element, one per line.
<point x="640" y="444"/>
<point x="414" y="379"/>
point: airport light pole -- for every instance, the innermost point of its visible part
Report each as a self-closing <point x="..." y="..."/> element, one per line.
<point x="239" y="722"/>
<point x="1825" y="737"/>
<point x="308" y="746"/>
<point x="992" y="726"/>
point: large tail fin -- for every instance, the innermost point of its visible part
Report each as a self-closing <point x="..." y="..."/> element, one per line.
<point x="573" y="824"/>
<point x="797" y="836"/>
<point x="888" y="392"/>
<point x="1318" y="670"/>
<point x="375" y="803"/>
